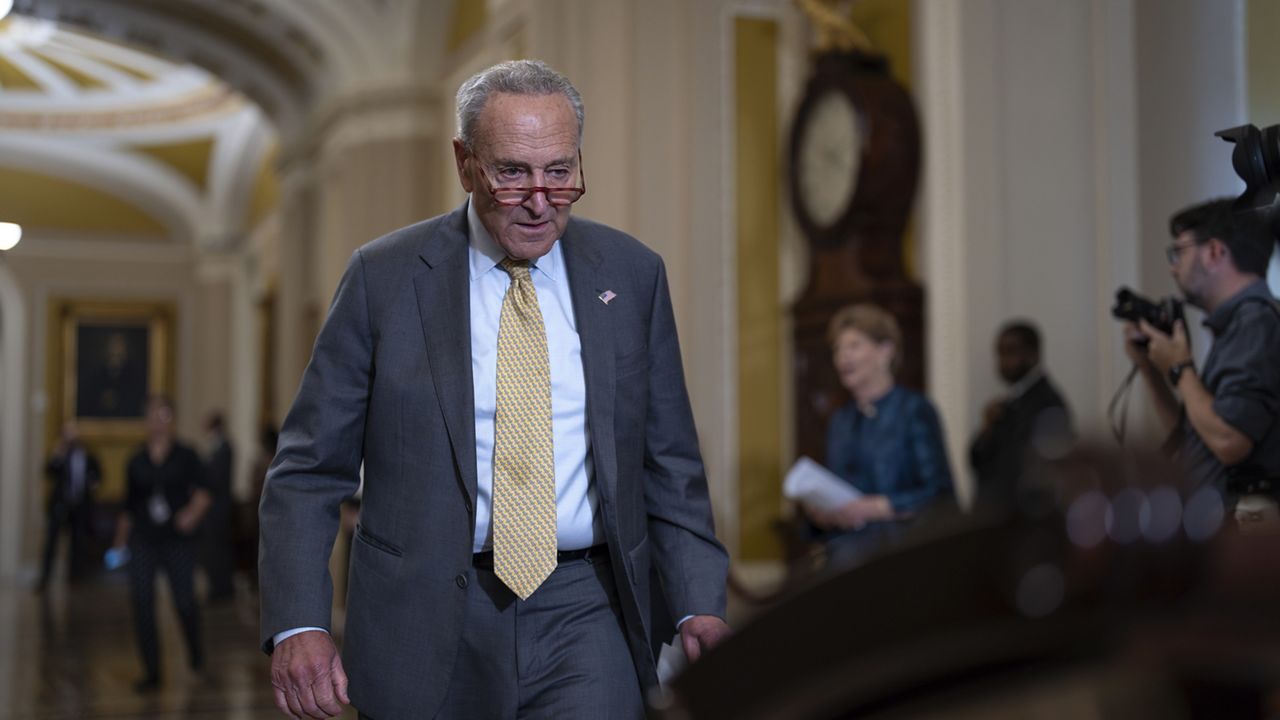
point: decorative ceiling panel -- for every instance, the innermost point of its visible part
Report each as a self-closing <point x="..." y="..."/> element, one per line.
<point x="177" y="140"/>
<point x="39" y="201"/>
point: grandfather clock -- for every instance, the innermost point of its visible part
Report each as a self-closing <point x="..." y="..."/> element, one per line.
<point x="854" y="161"/>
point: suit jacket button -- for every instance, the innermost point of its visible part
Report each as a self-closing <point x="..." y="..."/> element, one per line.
<point x="462" y="581"/>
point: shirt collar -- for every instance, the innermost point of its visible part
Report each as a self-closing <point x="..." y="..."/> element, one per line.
<point x="1218" y="319"/>
<point x="485" y="254"/>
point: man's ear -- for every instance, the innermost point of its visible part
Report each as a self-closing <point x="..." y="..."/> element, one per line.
<point x="460" y="156"/>
<point x="1218" y="250"/>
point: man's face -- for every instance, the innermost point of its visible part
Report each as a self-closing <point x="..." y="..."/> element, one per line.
<point x="521" y="141"/>
<point x="1188" y="269"/>
<point x="159" y="420"/>
<point x="1013" y="359"/>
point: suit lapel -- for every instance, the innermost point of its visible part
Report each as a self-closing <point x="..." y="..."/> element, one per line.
<point x="444" y="306"/>
<point x="587" y="280"/>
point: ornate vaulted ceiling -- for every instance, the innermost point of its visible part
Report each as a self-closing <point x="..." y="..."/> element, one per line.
<point x="161" y="118"/>
<point x="101" y="140"/>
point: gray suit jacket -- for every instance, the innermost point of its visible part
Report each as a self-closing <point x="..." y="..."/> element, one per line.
<point x="389" y="384"/>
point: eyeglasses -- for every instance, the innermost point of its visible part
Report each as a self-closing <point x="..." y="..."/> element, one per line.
<point x="559" y="196"/>
<point x="1174" y="251"/>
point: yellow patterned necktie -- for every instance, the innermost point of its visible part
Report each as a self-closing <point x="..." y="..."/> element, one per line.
<point x="524" y="481"/>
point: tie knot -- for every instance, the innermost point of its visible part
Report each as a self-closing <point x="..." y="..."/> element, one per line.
<point x="517" y="269"/>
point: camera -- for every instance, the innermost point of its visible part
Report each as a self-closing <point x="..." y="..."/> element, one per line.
<point x="1161" y="314"/>
<point x="1256" y="159"/>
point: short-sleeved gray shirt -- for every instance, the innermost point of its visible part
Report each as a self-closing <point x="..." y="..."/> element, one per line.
<point x="1242" y="372"/>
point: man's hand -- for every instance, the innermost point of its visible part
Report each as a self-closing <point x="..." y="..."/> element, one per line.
<point x="1166" y="350"/>
<point x="1135" y="346"/>
<point x="308" y="678"/>
<point x="700" y="633"/>
<point x="185" y="521"/>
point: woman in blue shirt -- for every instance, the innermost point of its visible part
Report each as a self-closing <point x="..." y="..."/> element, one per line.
<point x="887" y="441"/>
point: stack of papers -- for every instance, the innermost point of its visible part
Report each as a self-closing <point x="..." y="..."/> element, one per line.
<point x="816" y="486"/>
<point x="671" y="660"/>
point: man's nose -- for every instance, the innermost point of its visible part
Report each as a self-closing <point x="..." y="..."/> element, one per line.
<point x="537" y="203"/>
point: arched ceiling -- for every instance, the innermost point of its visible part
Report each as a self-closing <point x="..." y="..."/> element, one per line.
<point x="100" y="139"/>
<point x="178" y="107"/>
<point x="52" y="77"/>
<point x="289" y="57"/>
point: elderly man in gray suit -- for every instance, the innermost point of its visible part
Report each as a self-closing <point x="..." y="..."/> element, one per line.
<point x="511" y="380"/>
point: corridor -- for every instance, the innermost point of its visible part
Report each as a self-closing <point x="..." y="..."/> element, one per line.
<point x="71" y="654"/>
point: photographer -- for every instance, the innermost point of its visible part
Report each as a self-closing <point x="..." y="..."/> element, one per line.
<point x="1228" y="433"/>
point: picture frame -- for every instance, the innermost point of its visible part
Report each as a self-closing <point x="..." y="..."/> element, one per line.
<point x="113" y="356"/>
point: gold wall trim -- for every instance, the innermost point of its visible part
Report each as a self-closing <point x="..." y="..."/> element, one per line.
<point x="112" y="439"/>
<point x="469" y="18"/>
<point x="40" y="201"/>
<point x="81" y="79"/>
<point x="190" y="158"/>
<point x="1262" y="22"/>
<point x="129" y="70"/>
<point x="266" y="187"/>
<point x="212" y="100"/>
<point x="888" y="25"/>
<point x="13" y="78"/>
<point x="759" y="326"/>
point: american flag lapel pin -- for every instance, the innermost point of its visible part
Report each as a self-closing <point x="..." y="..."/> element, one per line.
<point x="607" y="295"/>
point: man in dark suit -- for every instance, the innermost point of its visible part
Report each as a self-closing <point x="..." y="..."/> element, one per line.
<point x="74" y="474"/>
<point x="1031" y="417"/>
<point x="511" y="380"/>
<point x="216" y="542"/>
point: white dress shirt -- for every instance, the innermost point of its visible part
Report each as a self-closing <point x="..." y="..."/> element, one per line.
<point x="577" y="501"/>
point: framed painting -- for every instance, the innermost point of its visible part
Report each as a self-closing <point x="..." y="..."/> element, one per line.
<point x="114" y="355"/>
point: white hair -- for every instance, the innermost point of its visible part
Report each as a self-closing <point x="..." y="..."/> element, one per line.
<point x="517" y="77"/>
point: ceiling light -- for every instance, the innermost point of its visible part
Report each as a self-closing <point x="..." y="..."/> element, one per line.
<point x="10" y="233"/>
<point x="5" y="7"/>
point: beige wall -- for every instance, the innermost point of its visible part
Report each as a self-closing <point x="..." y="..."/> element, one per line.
<point x="1262" y="28"/>
<point x="49" y="270"/>
<point x="368" y="190"/>
<point x="1262" y="24"/>
<point x="1059" y="137"/>
<point x="13" y="421"/>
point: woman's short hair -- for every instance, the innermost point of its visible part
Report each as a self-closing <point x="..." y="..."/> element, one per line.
<point x="871" y="320"/>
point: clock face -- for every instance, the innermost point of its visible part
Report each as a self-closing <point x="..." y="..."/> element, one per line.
<point x="830" y="153"/>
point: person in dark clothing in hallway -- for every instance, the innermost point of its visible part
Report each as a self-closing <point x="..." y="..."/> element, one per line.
<point x="1031" y="417"/>
<point x="74" y="474"/>
<point x="215" y="531"/>
<point x="165" y="500"/>
<point x="247" y="511"/>
<point x="887" y="442"/>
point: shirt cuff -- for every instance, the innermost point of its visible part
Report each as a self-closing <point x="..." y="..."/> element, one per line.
<point x="682" y="621"/>
<point x="282" y="636"/>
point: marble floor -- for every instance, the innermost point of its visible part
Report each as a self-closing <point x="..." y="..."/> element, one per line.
<point x="70" y="653"/>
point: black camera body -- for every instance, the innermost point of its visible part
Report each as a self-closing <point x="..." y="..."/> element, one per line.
<point x="1161" y="314"/>
<point x="1256" y="159"/>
